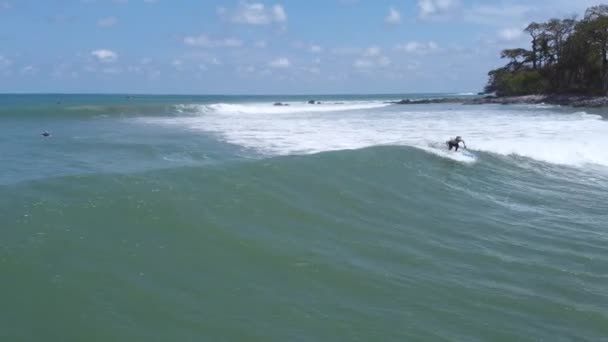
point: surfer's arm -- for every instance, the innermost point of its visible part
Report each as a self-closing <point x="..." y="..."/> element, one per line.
<point x="465" y="145"/>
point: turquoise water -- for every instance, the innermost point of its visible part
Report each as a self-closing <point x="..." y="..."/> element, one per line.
<point x="228" y="219"/>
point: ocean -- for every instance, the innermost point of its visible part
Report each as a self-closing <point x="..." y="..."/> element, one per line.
<point x="226" y="218"/>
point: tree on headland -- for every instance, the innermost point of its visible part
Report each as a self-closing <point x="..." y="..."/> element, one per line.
<point x="595" y="27"/>
<point x="518" y="57"/>
<point x="535" y="30"/>
<point x="566" y="56"/>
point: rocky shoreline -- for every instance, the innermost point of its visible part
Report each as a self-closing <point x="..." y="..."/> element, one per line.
<point x="562" y="100"/>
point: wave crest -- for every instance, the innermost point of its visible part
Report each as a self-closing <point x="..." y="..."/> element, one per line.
<point x="555" y="137"/>
<point x="269" y="108"/>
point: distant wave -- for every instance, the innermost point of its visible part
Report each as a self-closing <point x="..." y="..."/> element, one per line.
<point x="270" y="108"/>
<point x="585" y="115"/>
<point x="543" y="106"/>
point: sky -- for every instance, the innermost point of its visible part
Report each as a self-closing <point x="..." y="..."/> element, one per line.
<point x="261" y="47"/>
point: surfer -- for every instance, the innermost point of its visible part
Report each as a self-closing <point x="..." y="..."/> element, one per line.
<point x="455" y="143"/>
<point x="46" y="134"/>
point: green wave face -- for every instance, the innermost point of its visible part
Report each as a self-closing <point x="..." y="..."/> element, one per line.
<point x="181" y="227"/>
<point x="383" y="242"/>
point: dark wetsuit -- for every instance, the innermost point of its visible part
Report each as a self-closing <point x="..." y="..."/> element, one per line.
<point x="454" y="144"/>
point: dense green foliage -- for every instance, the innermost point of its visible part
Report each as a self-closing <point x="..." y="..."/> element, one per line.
<point x="566" y="56"/>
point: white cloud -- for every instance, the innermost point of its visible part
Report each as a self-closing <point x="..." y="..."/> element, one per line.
<point x="62" y="69"/>
<point x="371" y="58"/>
<point x="510" y="34"/>
<point x="372" y="51"/>
<point x="5" y="62"/>
<point x="369" y="63"/>
<point x="231" y="42"/>
<point x="107" y="22"/>
<point x="418" y="48"/>
<point x="255" y="14"/>
<point x="433" y="8"/>
<point x="29" y="69"/>
<point x="413" y="66"/>
<point x="316" y="49"/>
<point x="200" y="41"/>
<point x="246" y="69"/>
<point x="5" y="5"/>
<point x="134" y="69"/>
<point x="61" y="19"/>
<point x="363" y="64"/>
<point x="154" y="74"/>
<point x="279" y="14"/>
<point x="204" y="41"/>
<point x="280" y="63"/>
<point x="384" y="61"/>
<point x="261" y="44"/>
<point x="500" y="14"/>
<point x="105" y="56"/>
<point x="393" y="17"/>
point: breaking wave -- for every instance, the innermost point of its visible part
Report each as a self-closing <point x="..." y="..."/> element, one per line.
<point x="551" y="136"/>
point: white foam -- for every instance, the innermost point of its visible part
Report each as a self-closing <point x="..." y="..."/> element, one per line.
<point x="571" y="139"/>
<point x="460" y="156"/>
<point x="543" y="106"/>
<point x="270" y="108"/>
<point x="584" y="115"/>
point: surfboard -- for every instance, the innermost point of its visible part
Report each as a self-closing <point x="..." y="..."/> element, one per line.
<point x="466" y="152"/>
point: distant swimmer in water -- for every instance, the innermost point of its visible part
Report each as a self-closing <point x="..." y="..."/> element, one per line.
<point x="46" y="134"/>
<point x="455" y="143"/>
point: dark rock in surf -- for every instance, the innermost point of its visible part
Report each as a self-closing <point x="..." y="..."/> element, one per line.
<point x="556" y="99"/>
<point x="427" y="101"/>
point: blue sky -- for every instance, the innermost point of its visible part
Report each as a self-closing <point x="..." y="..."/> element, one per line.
<point x="261" y="47"/>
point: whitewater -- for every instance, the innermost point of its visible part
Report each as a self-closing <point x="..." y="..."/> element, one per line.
<point x="545" y="133"/>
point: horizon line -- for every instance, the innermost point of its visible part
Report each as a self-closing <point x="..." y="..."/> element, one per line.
<point x="252" y="94"/>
